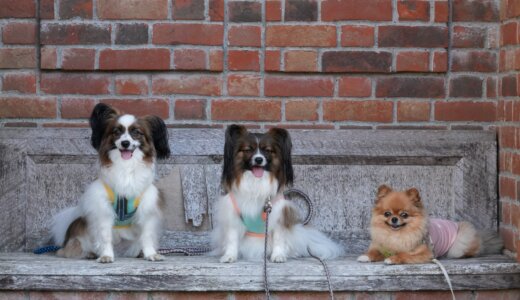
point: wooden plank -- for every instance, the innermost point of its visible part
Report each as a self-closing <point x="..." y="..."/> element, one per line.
<point x="19" y="271"/>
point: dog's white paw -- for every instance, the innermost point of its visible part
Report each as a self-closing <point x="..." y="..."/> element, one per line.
<point x="363" y="258"/>
<point x="105" y="259"/>
<point x="155" y="257"/>
<point x="389" y="261"/>
<point x="278" y="258"/>
<point x="228" y="258"/>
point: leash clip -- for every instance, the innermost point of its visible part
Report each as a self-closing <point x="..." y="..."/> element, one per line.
<point x="268" y="206"/>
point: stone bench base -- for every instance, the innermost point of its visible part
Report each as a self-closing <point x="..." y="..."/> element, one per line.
<point x="29" y="272"/>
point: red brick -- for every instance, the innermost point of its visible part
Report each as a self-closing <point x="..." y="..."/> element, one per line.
<point x="18" y="124"/>
<point x="47" y="9"/>
<point x="246" y="110"/>
<point x="357" y="36"/>
<point x="301" y="36"/>
<point x="508" y="86"/>
<point x="216" y="10"/>
<point x="509" y="34"/>
<point x="507" y="189"/>
<point x="470" y="10"/>
<point x="75" y="34"/>
<point x="207" y="85"/>
<point x="216" y="60"/>
<point x="413" y="61"/>
<point x="192" y="109"/>
<point x="301" y="61"/>
<point x="301" y="10"/>
<point x="75" y="9"/>
<point x="132" y="9"/>
<point x="416" y="87"/>
<point x="63" y="125"/>
<point x="76" y="108"/>
<point x="298" y="86"/>
<point x="17" y="58"/>
<point x="272" y="60"/>
<point x="465" y="111"/>
<point x="506" y="209"/>
<point x="189" y="59"/>
<point x="301" y="110"/>
<point x="356" y="61"/>
<point x="441" y="11"/>
<point x="19" y="33"/>
<point x="49" y="57"/>
<point x="188" y="9"/>
<point x="413" y="111"/>
<point x="74" y="83"/>
<point x="17" y="9"/>
<point x="474" y="61"/>
<point x="361" y="111"/>
<point x="141" y="107"/>
<point x="247" y="36"/>
<point x="413" y="10"/>
<point x="78" y="59"/>
<point x="244" y="11"/>
<point x="132" y="85"/>
<point x="468" y="37"/>
<point x="134" y="59"/>
<point x="466" y="86"/>
<point x="515" y="164"/>
<point x="372" y="10"/>
<point x="432" y="295"/>
<point x="273" y="10"/>
<point x="515" y="215"/>
<point x="511" y="9"/>
<point x="18" y="107"/>
<point x="243" y="60"/>
<point x="243" y="85"/>
<point x="132" y="34"/>
<point x="19" y="82"/>
<point x="189" y="295"/>
<point x="191" y="34"/>
<point x="413" y="36"/>
<point x="498" y="294"/>
<point x="354" y="86"/>
<point x="440" y="61"/>
<point x="507" y="138"/>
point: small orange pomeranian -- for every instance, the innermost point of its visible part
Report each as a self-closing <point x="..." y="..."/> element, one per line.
<point x="402" y="233"/>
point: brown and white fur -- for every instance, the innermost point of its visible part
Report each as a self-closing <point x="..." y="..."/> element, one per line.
<point x="399" y="227"/>
<point x="128" y="148"/>
<point x="258" y="167"/>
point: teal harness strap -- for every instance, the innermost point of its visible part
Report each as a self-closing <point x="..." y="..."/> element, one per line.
<point x="124" y="207"/>
<point x="254" y="224"/>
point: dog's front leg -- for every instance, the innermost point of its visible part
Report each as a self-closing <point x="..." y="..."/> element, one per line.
<point x="279" y="254"/>
<point x="232" y="237"/>
<point x="148" y="240"/>
<point x="103" y="233"/>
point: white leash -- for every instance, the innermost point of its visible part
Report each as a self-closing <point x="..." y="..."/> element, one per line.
<point x="438" y="263"/>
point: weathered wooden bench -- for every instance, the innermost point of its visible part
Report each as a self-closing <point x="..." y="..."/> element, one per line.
<point x="45" y="170"/>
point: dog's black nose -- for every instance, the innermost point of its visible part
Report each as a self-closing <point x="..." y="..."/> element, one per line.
<point x="394" y="220"/>
<point x="259" y="160"/>
<point x="125" y="144"/>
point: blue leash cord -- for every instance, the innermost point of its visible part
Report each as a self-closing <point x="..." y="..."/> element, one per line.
<point x="46" y="249"/>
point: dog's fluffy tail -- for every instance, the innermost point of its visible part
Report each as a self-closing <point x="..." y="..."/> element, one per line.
<point x="61" y="222"/>
<point x="492" y="243"/>
<point x="307" y="239"/>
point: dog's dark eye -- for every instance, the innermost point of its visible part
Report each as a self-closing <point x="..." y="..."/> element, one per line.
<point x="388" y="214"/>
<point x="136" y="131"/>
<point x="116" y="131"/>
<point x="246" y="149"/>
<point x="404" y="215"/>
<point x="268" y="150"/>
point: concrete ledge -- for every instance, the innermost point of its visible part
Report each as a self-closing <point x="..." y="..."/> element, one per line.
<point x="24" y="271"/>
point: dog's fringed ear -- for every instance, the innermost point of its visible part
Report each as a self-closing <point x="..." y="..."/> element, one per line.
<point x="159" y="136"/>
<point x="413" y="193"/>
<point x="233" y="132"/>
<point x="382" y="191"/>
<point x="99" y="118"/>
<point x="283" y="139"/>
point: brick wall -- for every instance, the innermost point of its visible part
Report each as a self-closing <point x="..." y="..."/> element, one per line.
<point x="508" y="121"/>
<point x="332" y="64"/>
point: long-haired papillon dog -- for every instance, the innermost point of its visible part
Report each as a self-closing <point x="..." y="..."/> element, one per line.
<point x="123" y="203"/>
<point x="257" y="169"/>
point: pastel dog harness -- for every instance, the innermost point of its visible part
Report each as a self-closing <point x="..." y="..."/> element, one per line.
<point x="442" y="235"/>
<point x="255" y="225"/>
<point x="124" y="207"/>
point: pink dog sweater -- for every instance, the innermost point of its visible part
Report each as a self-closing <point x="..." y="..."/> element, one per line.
<point x="442" y="235"/>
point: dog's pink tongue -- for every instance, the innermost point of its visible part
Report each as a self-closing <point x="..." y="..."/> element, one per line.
<point x="258" y="171"/>
<point x="126" y="154"/>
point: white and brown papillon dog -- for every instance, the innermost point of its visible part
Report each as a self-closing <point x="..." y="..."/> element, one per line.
<point x="257" y="169"/>
<point x="123" y="203"/>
